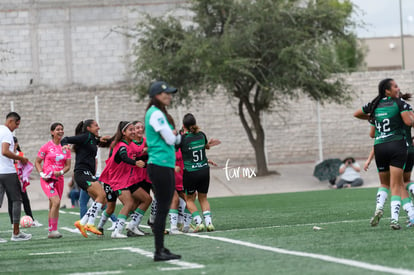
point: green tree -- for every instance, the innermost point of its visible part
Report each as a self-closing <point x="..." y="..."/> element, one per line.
<point x="260" y="52"/>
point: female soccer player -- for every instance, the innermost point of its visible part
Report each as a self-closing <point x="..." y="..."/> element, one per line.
<point x="196" y="177"/>
<point x="86" y="142"/>
<point x="389" y="114"/>
<point x="161" y="138"/>
<point x="56" y="162"/>
<point x="117" y="173"/>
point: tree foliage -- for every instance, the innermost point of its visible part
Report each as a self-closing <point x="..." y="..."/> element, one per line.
<point x="260" y="52"/>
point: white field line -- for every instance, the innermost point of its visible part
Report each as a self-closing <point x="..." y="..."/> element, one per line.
<point x="321" y="257"/>
<point x="181" y="265"/>
<point x="50" y="253"/>
<point x="287" y="225"/>
<point x="98" y="273"/>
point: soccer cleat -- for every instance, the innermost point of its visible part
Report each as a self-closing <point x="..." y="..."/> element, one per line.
<point x="185" y="229"/>
<point x="118" y="235"/>
<point x="210" y="227"/>
<point x="410" y="223"/>
<point x="54" y="235"/>
<point x="151" y="224"/>
<point x="21" y="237"/>
<point x="102" y="230"/>
<point x="81" y="228"/>
<point x="3" y="240"/>
<point x="377" y="216"/>
<point x="165" y="255"/>
<point x="36" y="224"/>
<point x="92" y="228"/>
<point x="134" y="232"/>
<point x="112" y="228"/>
<point x="198" y="228"/>
<point x="180" y="226"/>
<point x="395" y="225"/>
<point x="174" y="231"/>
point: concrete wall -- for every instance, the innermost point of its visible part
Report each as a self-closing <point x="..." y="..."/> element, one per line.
<point x="291" y="135"/>
<point x="57" y="43"/>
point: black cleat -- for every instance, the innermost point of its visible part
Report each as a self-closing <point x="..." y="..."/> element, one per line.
<point x="165" y="255"/>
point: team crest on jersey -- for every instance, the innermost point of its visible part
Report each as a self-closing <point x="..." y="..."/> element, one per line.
<point x="161" y="121"/>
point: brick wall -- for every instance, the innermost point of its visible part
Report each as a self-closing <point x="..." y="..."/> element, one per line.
<point x="291" y="136"/>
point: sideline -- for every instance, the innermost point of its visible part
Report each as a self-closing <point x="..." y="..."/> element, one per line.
<point x="331" y="259"/>
<point x="181" y="265"/>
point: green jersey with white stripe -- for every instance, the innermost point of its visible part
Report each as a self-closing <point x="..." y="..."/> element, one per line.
<point x="389" y="125"/>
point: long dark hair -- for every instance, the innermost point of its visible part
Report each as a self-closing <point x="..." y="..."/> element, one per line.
<point x="118" y="135"/>
<point x="154" y="101"/>
<point x="384" y="85"/>
<point x="406" y="96"/>
<point x="81" y="128"/>
<point x="190" y="123"/>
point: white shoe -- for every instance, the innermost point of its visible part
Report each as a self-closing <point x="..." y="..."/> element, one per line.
<point x="112" y="228"/>
<point x="21" y="237"/>
<point x="118" y="235"/>
<point x="3" y="240"/>
<point x="174" y="231"/>
<point x="54" y="235"/>
<point x="36" y="224"/>
<point x="134" y="232"/>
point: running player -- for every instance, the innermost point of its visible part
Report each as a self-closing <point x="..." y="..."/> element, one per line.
<point x="86" y="142"/>
<point x="389" y="114"/>
<point x="117" y="173"/>
<point x="56" y="162"/>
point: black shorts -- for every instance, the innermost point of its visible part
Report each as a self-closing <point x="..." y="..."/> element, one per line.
<point x="84" y="179"/>
<point x="133" y="188"/>
<point x="410" y="162"/>
<point x="392" y="153"/>
<point x="111" y="195"/>
<point x="145" y="185"/>
<point x="196" y="181"/>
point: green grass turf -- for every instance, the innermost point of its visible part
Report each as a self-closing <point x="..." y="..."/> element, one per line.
<point x="282" y="221"/>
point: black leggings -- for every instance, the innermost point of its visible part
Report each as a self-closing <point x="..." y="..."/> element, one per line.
<point x="26" y="206"/>
<point x="163" y="182"/>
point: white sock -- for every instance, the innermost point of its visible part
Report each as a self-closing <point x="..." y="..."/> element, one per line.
<point x="181" y="208"/>
<point x="408" y="207"/>
<point x="187" y="218"/>
<point x="382" y="195"/>
<point x="95" y="209"/>
<point x="120" y="223"/>
<point x="197" y="218"/>
<point x="153" y="211"/>
<point x="136" y="218"/>
<point x="104" y="218"/>
<point x="173" y="218"/>
<point x="207" y="217"/>
<point x="395" y="207"/>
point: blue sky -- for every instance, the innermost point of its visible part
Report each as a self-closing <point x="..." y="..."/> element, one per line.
<point x="382" y="17"/>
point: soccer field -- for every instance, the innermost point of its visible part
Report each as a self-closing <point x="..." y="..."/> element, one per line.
<point x="267" y="234"/>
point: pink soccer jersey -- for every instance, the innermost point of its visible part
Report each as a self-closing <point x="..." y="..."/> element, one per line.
<point x="54" y="158"/>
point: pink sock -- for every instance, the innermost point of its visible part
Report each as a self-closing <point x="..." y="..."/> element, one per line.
<point x="53" y="223"/>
